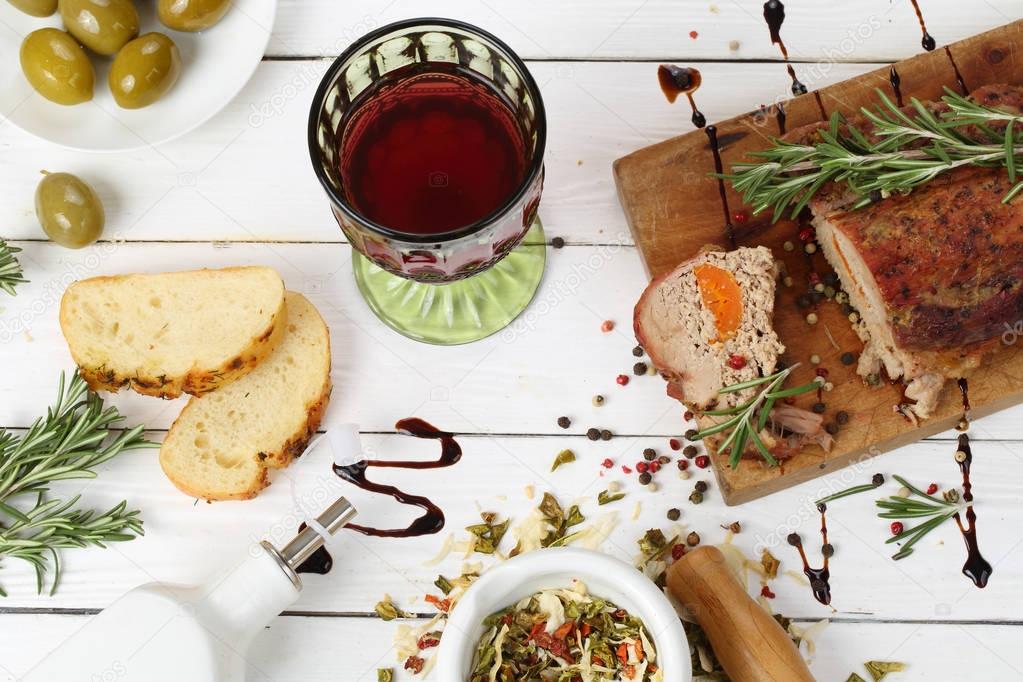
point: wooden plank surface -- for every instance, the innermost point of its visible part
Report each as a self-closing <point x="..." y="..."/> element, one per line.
<point x="673" y="212"/>
<point x="244" y="176"/>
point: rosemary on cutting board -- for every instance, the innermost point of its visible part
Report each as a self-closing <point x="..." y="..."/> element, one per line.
<point x="76" y="435"/>
<point x="910" y="150"/>
<point x="934" y="510"/>
<point x="10" y="269"/>
<point x="745" y="422"/>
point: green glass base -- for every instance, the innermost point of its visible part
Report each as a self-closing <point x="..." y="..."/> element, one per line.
<point x="460" y="312"/>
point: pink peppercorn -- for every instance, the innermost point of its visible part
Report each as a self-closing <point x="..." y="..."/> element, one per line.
<point x="654" y="466"/>
<point x="674" y="444"/>
<point x="626" y="470"/>
<point x="688" y="415"/>
<point x="896" y="527"/>
<point x="642" y="467"/>
<point x="623" y="379"/>
<point x="683" y="464"/>
<point x="806" y="234"/>
<point x="607" y="326"/>
<point x="678" y="551"/>
<point x="607" y="463"/>
<point x="765" y="591"/>
<point x="736" y="361"/>
<point x="702" y="461"/>
<point x="932" y="488"/>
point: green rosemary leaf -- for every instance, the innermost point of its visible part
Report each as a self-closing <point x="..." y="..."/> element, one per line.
<point x="762" y="448"/>
<point x="798" y="390"/>
<point x="1012" y="193"/>
<point x="1010" y="152"/>
<point x="10" y="269"/>
<point x="717" y="428"/>
<point x="854" y="490"/>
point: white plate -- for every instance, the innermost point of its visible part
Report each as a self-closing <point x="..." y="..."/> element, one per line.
<point x="216" y="64"/>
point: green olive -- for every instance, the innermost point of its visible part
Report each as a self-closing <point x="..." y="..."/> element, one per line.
<point x="191" y="15"/>
<point x="103" y="26"/>
<point x="144" y="70"/>
<point x="36" y="8"/>
<point x="69" y="210"/>
<point x="57" y="67"/>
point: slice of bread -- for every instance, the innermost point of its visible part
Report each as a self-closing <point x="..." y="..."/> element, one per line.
<point x="177" y="332"/>
<point x="221" y="444"/>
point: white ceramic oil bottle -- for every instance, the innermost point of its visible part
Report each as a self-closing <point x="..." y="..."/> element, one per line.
<point x="166" y="633"/>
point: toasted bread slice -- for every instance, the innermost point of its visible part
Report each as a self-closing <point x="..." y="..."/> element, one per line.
<point x="221" y="444"/>
<point x="168" y="334"/>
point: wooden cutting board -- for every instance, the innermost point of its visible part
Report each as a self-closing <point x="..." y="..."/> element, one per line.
<point x="673" y="209"/>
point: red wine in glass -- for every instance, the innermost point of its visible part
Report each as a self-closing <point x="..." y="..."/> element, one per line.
<point x="430" y="148"/>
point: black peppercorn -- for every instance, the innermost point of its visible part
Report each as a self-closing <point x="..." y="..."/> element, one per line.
<point x="664" y="459"/>
<point x="794" y="539"/>
<point x="816" y="296"/>
<point x="691" y="434"/>
<point x="842" y="417"/>
<point x="847" y="358"/>
<point x="606" y="435"/>
<point x="819" y="408"/>
<point x="639" y="369"/>
<point x="649" y="454"/>
<point x="828" y="550"/>
<point x="674" y="514"/>
<point x="831" y="427"/>
<point x="564" y="422"/>
<point x="877" y="480"/>
<point x="701" y="486"/>
<point x="558" y="242"/>
<point x="689" y="451"/>
<point x="645" y="478"/>
<point x="693" y="539"/>
<point x="831" y="278"/>
<point x="803" y="301"/>
<point x="638" y="351"/>
<point x="593" y="434"/>
<point x="696" y="497"/>
<point x="875" y="195"/>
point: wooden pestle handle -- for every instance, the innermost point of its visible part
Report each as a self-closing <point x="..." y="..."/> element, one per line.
<point x="750" y="645"/>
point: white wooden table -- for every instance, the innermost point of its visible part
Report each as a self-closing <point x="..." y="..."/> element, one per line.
<point x="240" y="190"/>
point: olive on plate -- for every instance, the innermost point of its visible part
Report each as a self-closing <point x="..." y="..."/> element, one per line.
<point x="103" y="26"/>
<point x="36" y="8"/>
<point x="144" y="70"/>
<point x="191" y="15"/>
<point x="69" y="210"/>
<point x="57" y="66"/>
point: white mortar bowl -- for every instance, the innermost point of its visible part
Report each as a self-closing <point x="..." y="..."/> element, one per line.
<point x="545" y="569"/>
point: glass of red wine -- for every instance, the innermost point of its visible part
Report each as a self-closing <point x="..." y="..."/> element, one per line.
<point x="428" y="136"/>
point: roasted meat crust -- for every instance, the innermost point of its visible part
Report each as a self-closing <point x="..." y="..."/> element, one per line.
<point x="947" y="258"/>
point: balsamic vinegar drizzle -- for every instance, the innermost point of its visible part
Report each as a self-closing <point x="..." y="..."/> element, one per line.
<point x="819" y="577"/>
<point x="976" y="568"/>
<point x="955" y="68"/>
<point x="774" y="14"/>
<point x="680" y="80"/>
<point x="432" y="520"/>
<point x="928" y="40"/>
<point x="896" y="81"/>
<point x="712" y="135"/>
<point x="779" y="117"/>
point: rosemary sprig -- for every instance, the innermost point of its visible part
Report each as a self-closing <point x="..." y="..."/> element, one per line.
<point x="910" y="150"/>
<point x="10" y="268"/>
<point x="748" y="419"/>
<point x="76" y="435"/>
<point x="935" y="510"/>
<point x="876" y="482"/>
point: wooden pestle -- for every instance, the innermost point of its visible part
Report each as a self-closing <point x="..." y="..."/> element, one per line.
<point x="747" y="641"/>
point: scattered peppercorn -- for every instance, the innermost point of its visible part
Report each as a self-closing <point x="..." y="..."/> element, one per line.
<point x="819" y="408"/>
<point x="674" y="514"/>
<point x="674" y="444"/>
<point x="831" y="428"/>
<point x="649" y="454"/>
<point x="642" y="467"/>
<point x="664" y="459"/>
<point x="690" y="451"/>
<point x="794" y="539"/>
<point x="736" y="361"/>
<point x="607" y="463"/>
<point x="810" y="248"/>
<point x="693" y="539"/>
<point x="877" y="480"/>
<point x="607" y="326"/>
<point x="803" y="301"/>
<point x="932" y="488"/>
<point x="638" y="351"/>
<point x="875" y="195"/>
<point x="788" y="246"/>
<point x="828" y="550"/>
<point x="702" y="461"/>
<point x="854" y="317"/>
<point x="558" y="243"/>
<point x="696" y="497"/>
<point x="766" y="592"/>
<point x="683" y="464"/>
<point x="598" y="400"/>
<point x="606" y="435"/>
<point x="688" y="415"/>
<point x="811" y="318"/>
<point x="896" y="527"/>
<point x="831" y="278"/>
<point x="701" y="486"/>
<point x="806" y="234"/>
<point x="847" y="358"/>
<point x="655" y="466"/>
<point x="622" y="380"/>
<point x="678" y="551"/>
<point x="593" y="434"/>
<point x="626" y="470"/>
<point x="842" y="417"/>
<point x="645" y="478"/>
<point x="639" y="369"/>
<point x="691" y="434"/>
<point x="564" y="422"/>
<point x="960" y="456"/>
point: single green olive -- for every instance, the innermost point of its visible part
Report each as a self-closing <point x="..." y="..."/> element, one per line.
<point x="144" y="70"/>
<point x="103" y="26"/>
<point x="191" y="15"/>
<point x="69" y="210"/>
<point x="57" y="66"/>
<point x="36" y="8"/>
